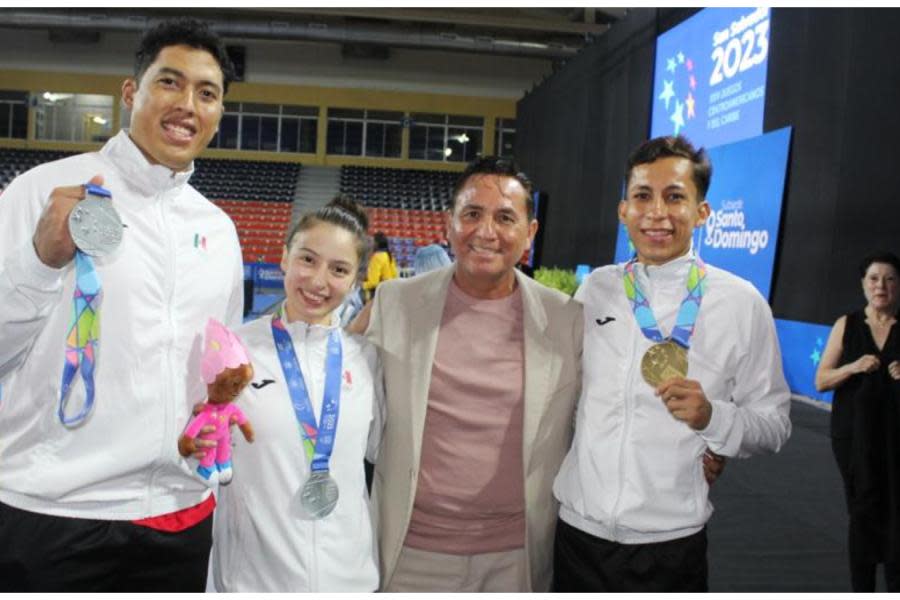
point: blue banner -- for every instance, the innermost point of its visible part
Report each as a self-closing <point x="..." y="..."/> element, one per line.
<point x="710" y="76"/>
<point x="745" y="199"/>
<point x="802" y="345"/>
<point x="268" y="276"/>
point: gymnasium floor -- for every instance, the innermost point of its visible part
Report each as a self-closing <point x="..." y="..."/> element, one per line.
<point x="780" y="522"/>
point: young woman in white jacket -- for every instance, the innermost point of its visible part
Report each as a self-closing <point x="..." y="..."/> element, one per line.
<point x="295" y="517"/>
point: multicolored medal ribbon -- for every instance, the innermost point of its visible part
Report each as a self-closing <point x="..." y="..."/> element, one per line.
<point x="319" y="494"/>
<point x="96" y="229"/>
<point x="83" y="339"/>
<point x="667" y="358"/>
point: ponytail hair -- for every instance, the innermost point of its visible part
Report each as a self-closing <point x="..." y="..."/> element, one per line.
<point x="344" y="212"/>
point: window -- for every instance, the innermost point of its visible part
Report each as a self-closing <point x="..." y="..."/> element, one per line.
<point x="345" y="128"/>
<point x="13" y="114"/>
<point x="73" y="117"/>
<point x="354" y="132"/>
<point x="299" y="128"/>
<point x="447" y="138"/>
<point x="505" y="137"/>
<point x="267" y="127"/>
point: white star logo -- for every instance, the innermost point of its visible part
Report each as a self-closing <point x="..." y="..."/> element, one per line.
<point x="668" y="92"/>
<point x="677" y="117"/>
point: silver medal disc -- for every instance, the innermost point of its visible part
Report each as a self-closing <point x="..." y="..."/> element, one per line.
<point x="95" y="226"/>
<point x="319" y="495"/>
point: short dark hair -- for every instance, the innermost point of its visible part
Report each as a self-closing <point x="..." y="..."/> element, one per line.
<point x="381" y="243"/>
<point x="494" y="165"/>
<point x="177" y="32"/>
<point x="664" y="147"/>
<point x="344" y="212"/>
<point x="888" y="258"/>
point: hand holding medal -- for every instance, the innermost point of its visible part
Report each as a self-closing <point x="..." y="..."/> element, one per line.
<point x="685" y="400"/>
<point x="94" y="224"/>
<point x="52" y="240"/>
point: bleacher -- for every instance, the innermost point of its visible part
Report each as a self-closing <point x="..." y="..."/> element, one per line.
<point x="224" y="179"/>
<point x="405" y="204"/>
<point x="261" y="227"/>
<point x="14" y="161"/>
<point x="411" y="189"/>
<point x="406" y="229"/>
<point x="257" y="195"/>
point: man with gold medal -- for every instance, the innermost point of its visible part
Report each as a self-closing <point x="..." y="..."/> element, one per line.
<point x="680" y="358"/>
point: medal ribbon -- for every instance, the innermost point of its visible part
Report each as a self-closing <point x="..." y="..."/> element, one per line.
<point x="318" y="440"/>
<point x="83" y="339"/>
<point x="687" y="313"/>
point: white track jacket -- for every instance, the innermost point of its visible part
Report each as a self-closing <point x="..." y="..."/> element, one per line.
<point x="634" y="474"/>
<point x="261" y="542"/>
<point x="179" y="263"/>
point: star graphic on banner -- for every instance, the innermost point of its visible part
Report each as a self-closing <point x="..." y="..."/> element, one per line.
<point x="680" y="58"/>
<point x="816" y="356"/>
<point x="693" y="82"/>
<point x="670" y="65"/>
<point x="677" y="117"/>
<point x="689" y="102"/>
<point x="668" y="92"/>
<point x="690" y="65"/>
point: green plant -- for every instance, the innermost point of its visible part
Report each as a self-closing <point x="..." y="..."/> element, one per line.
<point x="560" y="279"/>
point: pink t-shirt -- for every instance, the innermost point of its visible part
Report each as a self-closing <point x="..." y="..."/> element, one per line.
<point x="470" y="497"/>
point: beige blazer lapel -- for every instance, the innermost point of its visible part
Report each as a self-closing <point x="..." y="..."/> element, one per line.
<point x="541" y="363"/>
<point x="425" y="322"/>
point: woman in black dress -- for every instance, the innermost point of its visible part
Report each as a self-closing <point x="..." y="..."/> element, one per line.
<point x="861" y="362"/>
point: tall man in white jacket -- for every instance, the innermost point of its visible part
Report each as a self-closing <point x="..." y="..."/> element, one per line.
<point x="678" y="356"/>
<point x="97" y="497"/>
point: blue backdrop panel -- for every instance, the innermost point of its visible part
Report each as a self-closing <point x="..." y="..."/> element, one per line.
<point x="710" y="76"/>
<point x="745" y="199"/>
<point x="801" y="350"/>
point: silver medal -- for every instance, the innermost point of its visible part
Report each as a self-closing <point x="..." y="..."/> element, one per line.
<point x="319" y="495"/>
<point x="95" y="226"/>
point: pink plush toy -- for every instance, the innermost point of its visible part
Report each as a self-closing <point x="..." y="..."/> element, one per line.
<point x="226" y="369"/>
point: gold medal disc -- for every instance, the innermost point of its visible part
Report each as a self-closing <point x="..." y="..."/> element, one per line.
<point x="664" y="361"/>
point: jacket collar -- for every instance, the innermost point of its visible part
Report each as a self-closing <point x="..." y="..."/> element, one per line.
<point x="673" y="272"/>
<point x="147" y="179"/>
<point x="301" y="330"/>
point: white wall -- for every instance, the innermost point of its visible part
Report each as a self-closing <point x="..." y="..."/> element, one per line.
<point x="297" y="63"/>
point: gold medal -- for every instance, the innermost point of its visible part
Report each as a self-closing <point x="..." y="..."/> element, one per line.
<point x="664" y="361"/>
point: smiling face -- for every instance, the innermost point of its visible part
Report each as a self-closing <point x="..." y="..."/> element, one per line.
<point x="489" y="231"/>
<point x="319" y="268"/>
<point x="661" y="209"/>
<point x="880" y="285"/>
<point x="176" y="107"/>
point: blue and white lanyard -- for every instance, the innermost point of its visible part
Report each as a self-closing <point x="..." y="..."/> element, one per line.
<point x="687" y="312"/>
<point x="318" y="440"/>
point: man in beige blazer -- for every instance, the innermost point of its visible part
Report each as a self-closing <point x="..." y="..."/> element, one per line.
<point x="482" y="373"/>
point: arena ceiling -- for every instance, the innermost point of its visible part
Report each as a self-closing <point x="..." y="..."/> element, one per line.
<point x="550" y="33"/>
